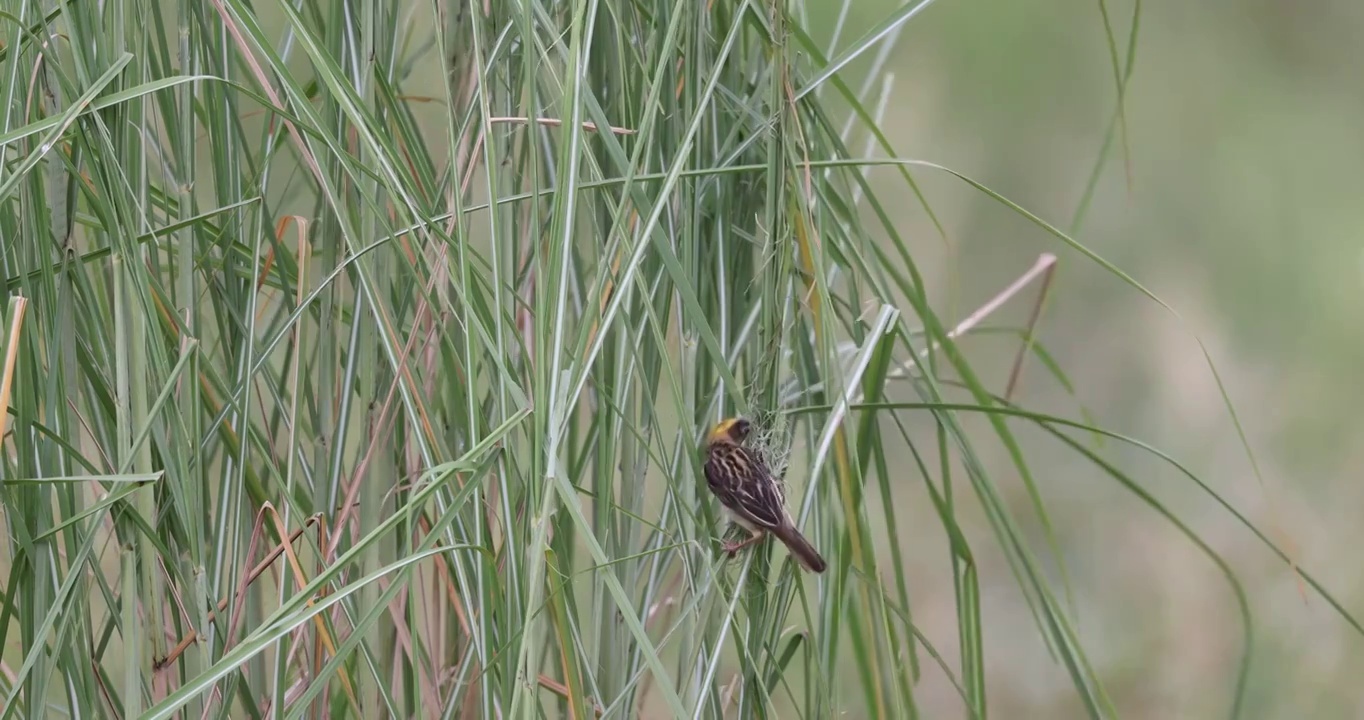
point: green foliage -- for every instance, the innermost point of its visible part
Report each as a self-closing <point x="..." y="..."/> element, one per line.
<point x="366" y="349"/>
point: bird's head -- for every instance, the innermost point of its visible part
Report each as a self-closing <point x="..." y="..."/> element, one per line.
<point x="732" y="430"/>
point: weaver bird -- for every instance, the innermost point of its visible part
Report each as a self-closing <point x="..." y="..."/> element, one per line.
<point x="751" y="496"/>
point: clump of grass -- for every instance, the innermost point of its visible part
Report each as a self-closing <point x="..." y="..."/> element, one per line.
<point x="367" y="345"/>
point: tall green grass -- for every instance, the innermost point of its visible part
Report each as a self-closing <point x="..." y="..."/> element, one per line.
<point x="357" y="356"/>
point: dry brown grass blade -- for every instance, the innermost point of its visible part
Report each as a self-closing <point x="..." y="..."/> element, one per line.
<point x="302" y="580"/>
<point x="562" y="691"/>
<point x="251" y="577"/>
<point x="16" y="323"/>
<point x="1046" y="267"/>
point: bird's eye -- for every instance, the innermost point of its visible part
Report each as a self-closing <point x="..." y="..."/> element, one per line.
<point x="742" y="428"/>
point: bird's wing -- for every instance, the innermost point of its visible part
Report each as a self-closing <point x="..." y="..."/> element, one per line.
<point x="763" y="501"/>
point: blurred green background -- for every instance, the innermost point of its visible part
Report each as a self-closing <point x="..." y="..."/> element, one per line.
<point x="1244" y="214"/>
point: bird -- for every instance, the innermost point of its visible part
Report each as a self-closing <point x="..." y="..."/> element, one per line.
<point x="751" y="496"/>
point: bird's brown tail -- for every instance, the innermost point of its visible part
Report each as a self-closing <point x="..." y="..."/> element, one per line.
<point x="800" y="548"/>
